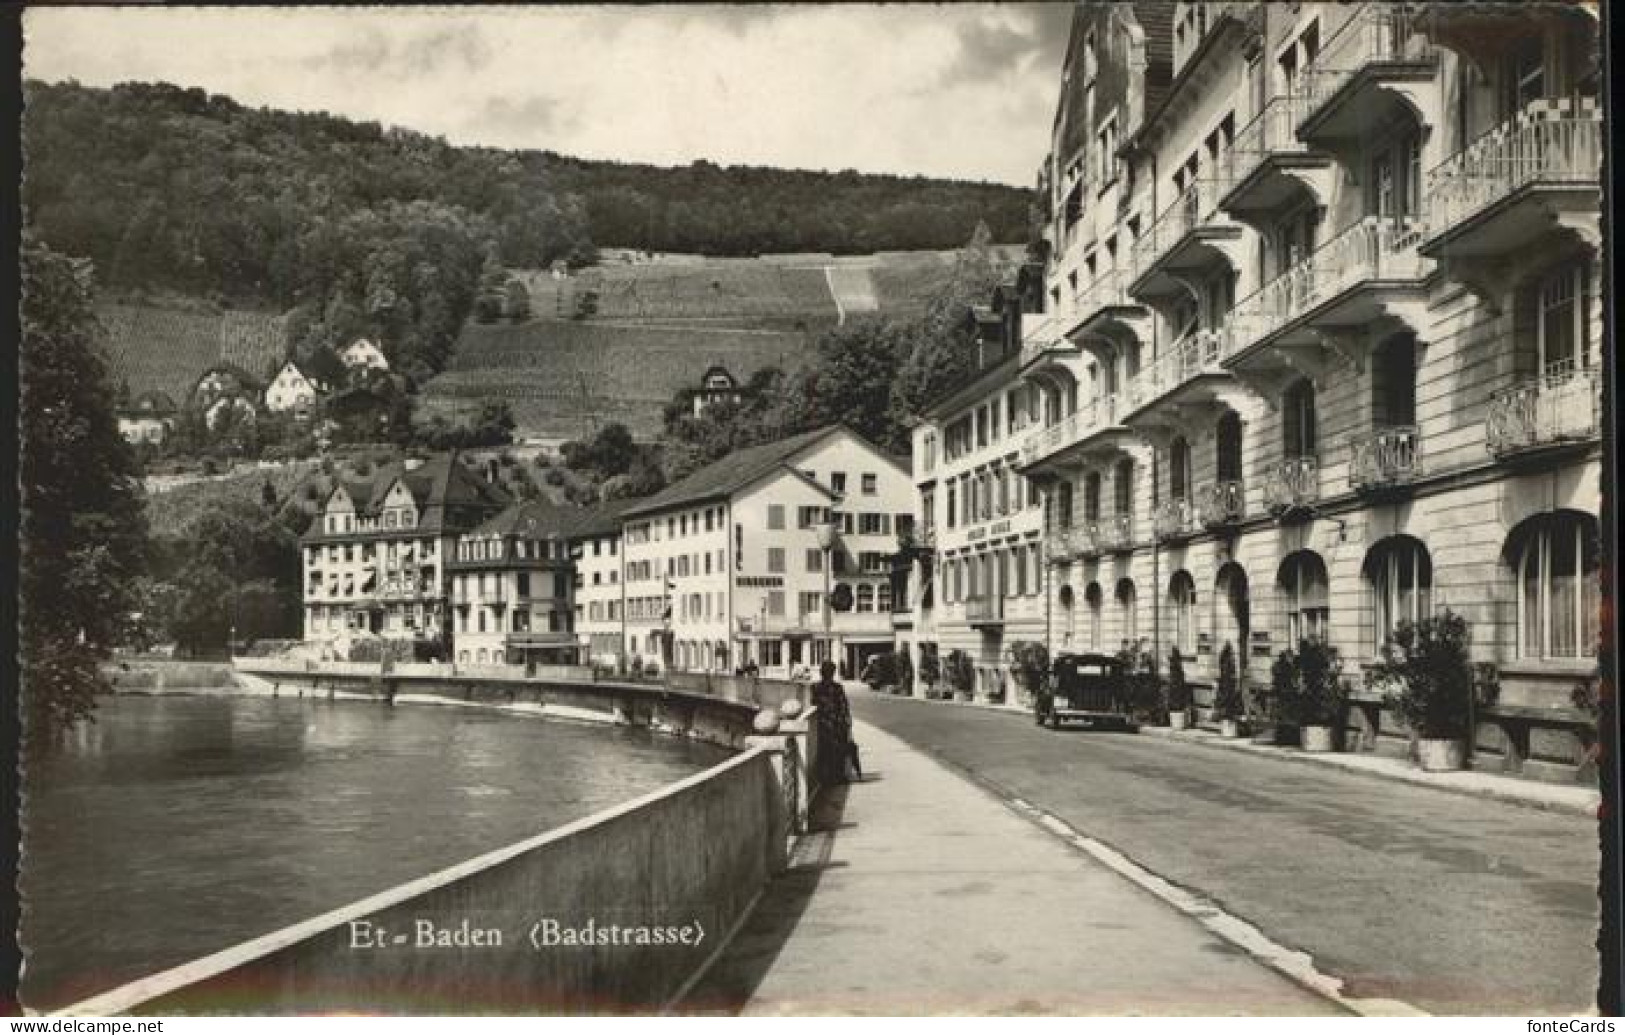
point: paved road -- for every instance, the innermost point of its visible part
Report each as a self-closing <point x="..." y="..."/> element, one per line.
<point x="1450" y="903"/>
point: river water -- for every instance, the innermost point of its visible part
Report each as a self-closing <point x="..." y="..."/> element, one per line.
<point x="173" y="827"/>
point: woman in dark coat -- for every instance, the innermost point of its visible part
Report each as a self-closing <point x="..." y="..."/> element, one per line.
<point x="834" y="727"/>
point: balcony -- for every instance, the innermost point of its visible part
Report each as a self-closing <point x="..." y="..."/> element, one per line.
<point x="1105" y="307"/>
<point x="1189" y="237"/>
<point x="1510" y="187"/>
<point x="1266" y="168"/>
<point x="1558" y="411"/>
<point x="1087" y="539"/>
<point x="1175" y="520"/>
<point x="1386" y="460"/>
<point x="1291" y="486"/>
<point x="1370" y="72"/>
<point x="984" y="611"/>
<point x="1094" y="426"/>
<point x="1058" y="546"/>
<point x="1045" y="341"/>
<point x="1366" y="273"/>
<point x="1221" y="504"/>
<point x="1116" y="533"/>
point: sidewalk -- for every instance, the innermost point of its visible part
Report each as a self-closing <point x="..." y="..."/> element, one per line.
<point x="919" y="893"/>
<point x="1556" y="797"/>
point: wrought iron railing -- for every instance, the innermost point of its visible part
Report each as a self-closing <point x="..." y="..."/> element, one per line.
<point x="1563" y="405"/>
<point x="1221" y="503"/>
<point x="1117" y="532"/>
<point x="1197" y="352"/>
<point x="1375" y="248"/>
<point x="1551" y="141"/>
<point x="1175" y="519"/>
<point x="1274" y="130"/>
<point x="1193" y="207"/>
<point x="1058" y="546"/>
<point x="1047" y="336"/>
<point x="1377" y="33"/>
<point x="1291" y="484"/>
<point x="1386" y="457"/>
<point x="1090" y="417"/>
<point x="1087" y="538"/>
<point x="1108" y="289"/>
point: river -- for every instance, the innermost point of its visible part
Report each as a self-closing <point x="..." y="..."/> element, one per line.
<point x="176" y="826"/>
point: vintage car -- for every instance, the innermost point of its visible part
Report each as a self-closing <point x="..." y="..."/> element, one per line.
<point x="1084" y="688"/>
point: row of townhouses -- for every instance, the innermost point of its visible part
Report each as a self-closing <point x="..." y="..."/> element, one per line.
<point x="1314" y="347"/>
<point x="778" y="555"/>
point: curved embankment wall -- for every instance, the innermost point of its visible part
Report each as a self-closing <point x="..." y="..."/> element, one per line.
<point x="676" y="871"/>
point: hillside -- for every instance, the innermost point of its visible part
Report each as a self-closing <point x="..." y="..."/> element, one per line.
<point x="166" y="346"/>
<point x="660" y="322"/>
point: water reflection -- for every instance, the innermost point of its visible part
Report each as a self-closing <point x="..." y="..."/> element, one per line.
<point x="173" y="827"/>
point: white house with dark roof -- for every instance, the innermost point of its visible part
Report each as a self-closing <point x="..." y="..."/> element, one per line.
<point x="290" y="391"/>
<point x="364" y="353"/>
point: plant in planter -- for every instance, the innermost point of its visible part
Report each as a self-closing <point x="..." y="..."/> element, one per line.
<point x="1141" y="686"/>
<point x="961" y="674"/>
<point x="1029" y="664"/>
<point x="1228" y="704"/>
<point x="1323" y="696"/>
<point x="1428" y="679"/>
<point x="1178" y="691"/>
<point x="930" y="669"/>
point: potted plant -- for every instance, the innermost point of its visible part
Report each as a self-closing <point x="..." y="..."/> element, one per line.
<point x="1322" y="696"/>
<point x="930" y="669"/>
<point x="961" y="675"/>
<point x="1179" y="693"/>
<point x="1140" y="683"/>
<point x="1428" y="679"/>
<point x="1029" y="664"/>
<point x="1228" y="703"/>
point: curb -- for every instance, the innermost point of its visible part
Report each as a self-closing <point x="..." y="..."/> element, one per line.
<point x="1512" y="795"/>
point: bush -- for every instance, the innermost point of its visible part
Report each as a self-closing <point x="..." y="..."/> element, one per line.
<point x="1179" y="692"/>
<point x="1141" y="688"/>
<point x="1029" y="663"/>
<point x="1227" y="699"/>
<point x="1306" y="688"/>
<point x="930" y="666"/>
<point x="882" y="670"/>
<point x="1427" y="677"/>
<point x="960" y="672"/>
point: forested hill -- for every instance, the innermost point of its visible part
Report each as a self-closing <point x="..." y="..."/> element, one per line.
<point x="362" y="229"/>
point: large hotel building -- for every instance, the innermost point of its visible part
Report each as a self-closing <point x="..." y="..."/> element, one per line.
<point x="1314" y="348"/>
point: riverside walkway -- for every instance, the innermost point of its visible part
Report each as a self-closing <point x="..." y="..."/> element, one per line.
<point x="919" y="892"/>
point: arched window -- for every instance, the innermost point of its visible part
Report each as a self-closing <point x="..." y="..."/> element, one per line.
<point x="1303" y="585"/>
<point x="1182" y="604"/>
<point x="1126" y="609"/>
<point x="1399" y="574"/>
<point x="1093" y="600"/>
<point x="1555" y="558"/>
<point x="1179" y="469"/>
<point x="1298" y="420"/>
<point x="1065" y="600"/>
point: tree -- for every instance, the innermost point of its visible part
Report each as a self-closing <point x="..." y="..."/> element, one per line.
<point x="83" y="524"/>
<point x="516" y="305"/>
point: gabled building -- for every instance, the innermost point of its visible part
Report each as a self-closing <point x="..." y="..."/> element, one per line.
<point x="376" y="555"/>
<point x="717" y="385"/>
<point x="777" y="555"/>
<point x="511" y="595"/>
<point x="363" y="353"/>
<point x="148" y="418"/>
<point x="291" y="391"/>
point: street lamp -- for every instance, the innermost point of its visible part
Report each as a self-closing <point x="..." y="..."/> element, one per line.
<point x="826" y="532"/>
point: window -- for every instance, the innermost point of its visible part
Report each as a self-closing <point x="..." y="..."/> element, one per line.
<point x="1092" y="600"/>
<point x="883" y="597"/>
<point x="1556" y="561"/>
<point x="1182" y="603"/>
<point x="811" y="604"/>
<point x="874" y="524"/>
<point x="815" y="560"/>
<point x="1396" y="180"/>
<point x="1523" y="74"/>
<point x="807" y="517"/>
<point x="837" y="481"/>
<point x="775" y="560"/>
<point x="871" y="484"/>
<point x="1106" y="150"/>
<point x="1298" y="420"/>
<point x="1399" y="574"/>
<point x="1091" y="497"/>
<point x="1303" y="584"/>
<point x="1126" y="610"/>
<point x="1123" y="486"/>
<point x="865" y="598"/>
<point x="1561" y="332"/>
<point x="775" y="515"/>
<point x="1179" y="469"/>
<point x="775" y="603"/>
<point x="1393" y="383"/>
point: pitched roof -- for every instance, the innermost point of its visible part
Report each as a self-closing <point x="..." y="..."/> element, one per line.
<point x="603" y="519"/>
<point x="441" y="481"/>
<point x="534" y="519"/>
<point x="732" y="473"/>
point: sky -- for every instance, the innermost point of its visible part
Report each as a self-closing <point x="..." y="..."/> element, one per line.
<point x="958" y="90"/>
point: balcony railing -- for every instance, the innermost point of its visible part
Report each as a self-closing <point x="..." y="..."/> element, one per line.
<point x="1561" y="407"/>
<point x="1549" y="142"/>
<point x="1108" y="289"/>
<point x="1292" y="484"/>
<point x="1058" y="546"/>
<point x="1088" y="538"/>
<point x="1274" y="130"/>
<point x="1375" y="248"/>
<point x="1197" y="352"/>
<point x="1377" y="33"/>
<point x="1184" y="214"/>
<point x="1045" y="337"/>
<point x="1385" y="458"/>
<point x="987" y="610"/>
<point x="1090" y="417"/>
<point x="1175" y="519"/>
<point x="1117" y="532"/>
<point x="1222" y="503"/>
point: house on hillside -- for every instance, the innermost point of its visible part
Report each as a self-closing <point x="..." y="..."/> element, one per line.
<point x="148" y="419"/>
<point x="375" y="557"/>
<point x="363" y="353"/>
<point x="717" y="385"/>
<point x="291" y="390"/>
<point x="226" y="396"/>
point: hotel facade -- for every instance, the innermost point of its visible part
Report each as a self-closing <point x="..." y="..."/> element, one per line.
<point x="1315" y="348"/>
